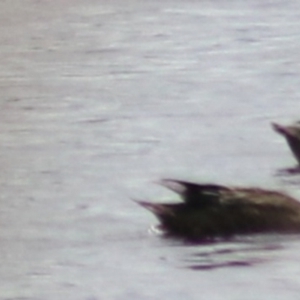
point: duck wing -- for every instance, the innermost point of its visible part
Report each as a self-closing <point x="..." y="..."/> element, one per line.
<point x="259" y="197"/>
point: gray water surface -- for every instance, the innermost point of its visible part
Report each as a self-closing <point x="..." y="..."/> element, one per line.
<point x="99" y="99"/>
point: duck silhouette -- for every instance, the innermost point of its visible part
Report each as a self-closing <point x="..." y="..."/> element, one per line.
<point x="210" y="211"/>
<point x="292" y="136"/>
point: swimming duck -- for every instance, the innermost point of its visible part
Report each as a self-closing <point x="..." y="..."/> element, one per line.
<point x="210" y="211"/>
<point x="292" y="135"/>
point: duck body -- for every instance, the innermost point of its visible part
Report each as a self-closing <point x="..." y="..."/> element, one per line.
<point x="292" y="136"/>
<point x="210" y="211"/>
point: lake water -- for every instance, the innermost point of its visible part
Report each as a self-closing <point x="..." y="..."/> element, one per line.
<point x="100" y="99"/>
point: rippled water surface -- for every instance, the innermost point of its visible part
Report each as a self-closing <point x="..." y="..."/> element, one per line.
<point x="99" y="99"/>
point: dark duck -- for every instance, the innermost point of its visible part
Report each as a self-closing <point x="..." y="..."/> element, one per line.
<point x="292" y="136"/>
<point x="211" y="211"/>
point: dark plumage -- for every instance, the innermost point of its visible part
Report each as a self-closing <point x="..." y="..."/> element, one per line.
<point x="292" y="135"/>
<point x="210" y="211"/>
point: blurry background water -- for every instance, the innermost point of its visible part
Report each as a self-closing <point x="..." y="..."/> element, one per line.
<point x="101" y="98"/>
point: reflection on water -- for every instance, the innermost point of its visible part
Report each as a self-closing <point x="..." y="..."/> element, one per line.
<point x="242" y="252"/>
<point x="237" y="251"/>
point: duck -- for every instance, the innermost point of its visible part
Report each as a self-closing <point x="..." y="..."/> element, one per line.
<point x="210" y="211"/>
<point x="292" y="135"/>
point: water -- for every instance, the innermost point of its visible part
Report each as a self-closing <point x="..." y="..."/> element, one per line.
<point x="101" y="98"/>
